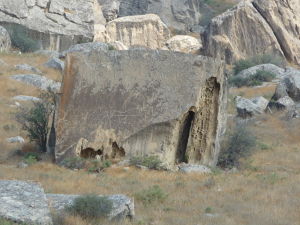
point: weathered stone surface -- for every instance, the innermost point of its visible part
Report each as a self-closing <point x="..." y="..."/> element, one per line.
<point x="55" y="63"/>
<point x="37" y="81"/>
<point x="26" y="98"/>
<point x="60" y="22"/>
<point x="123" y="206"/>
<point x="5" y="42"/>
<point x="117" y="45"/>
<point x="279" y="72"/>
<point x="143" y="30"/>
<point x="86" y="47"/>
<point x="178" y="14"/>
<point x="17" y="139"/>
<point x="255" y="27"/>
<point x="27" y="67"/>
<point x="142" y="102"/>
<point x="261" y="102"/>
<point x="247" y="108"/>
<point x="24" y="202"/>
<point x="184" y="43"/>
<point x="110" y="9"/>
<point x="188" y="168"/>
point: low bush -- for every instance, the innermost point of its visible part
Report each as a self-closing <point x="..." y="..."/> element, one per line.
<point x="95" y="166"/>
<point x="151" y="195"/>
<point x="91" y="207"/>
<point x="256" y="79"/>
<point x="243" y="64"/>
<point x="31" y="158"/>
<point x="240" y="144"/>
<point x="151" y="162"/>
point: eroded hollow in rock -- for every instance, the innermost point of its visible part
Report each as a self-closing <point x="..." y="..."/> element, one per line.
<point x="184" y="137"/>
<point x="117" y="152"/>
<point x="90" y="153"/>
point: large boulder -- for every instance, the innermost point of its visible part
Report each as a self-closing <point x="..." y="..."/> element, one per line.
<point x="184" y="43"/>
<point x="143" y="30"/>
<point x="283" y="103"/>
<point x="122" y="207"/>
<point x="247" y="108"/>
<point x="255" y="27"/>
<point x="54" y="24"/>
<point x="142" y="102"/>
<point x="5" y="42"/>
<point x="24" y="202"/>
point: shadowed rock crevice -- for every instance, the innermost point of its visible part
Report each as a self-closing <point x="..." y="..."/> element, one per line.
<point x="90" y="153"/>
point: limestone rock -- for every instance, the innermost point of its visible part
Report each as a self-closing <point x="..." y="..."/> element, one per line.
<point x="123" y="206"/>
<point x="255" y="27"/>
<point x="37" y="81"/>
<point x="279" y="72"/>
<point x="143" y="30"/>
<point x="184" y="43"/>
<point x="261" y="102"/>
<point x="117" y="45"/>
<point x="5" y="42"/>
<point x="24" y="202"/>
<point x="284" y="103"/>
<point x="187" y="168"/>
<point x="55" y="63"/>
<point x="26" y="98"/>
<point x="247" y="108"/>
<point x="85" y="47"/>
<point x="17" y="139"/>
<point x="27" y="67"/>
<point x="145" y="102"/>
<point x="110" y="9"/>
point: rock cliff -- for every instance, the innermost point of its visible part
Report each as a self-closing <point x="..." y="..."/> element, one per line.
<point x="142" y="102"/>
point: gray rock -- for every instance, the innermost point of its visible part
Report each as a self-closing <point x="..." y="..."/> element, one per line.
<point x="261" y="102"/>
<point x="110" y="9"/>
<point x="188" y="168"/>
<point x="17" y="139"/>
<point x="55" y="63"/>
<point x="144" y="102"/>
<point x="24" y="202"/>
<point x="86" y="48"/>
<point x="22" y="165"/>
<point x="37" y="81"/>
<point x="123" y="206"/>
<point x="279" y="72"/>
<point x="5" y="42"/>
<point x="52" y="54"/>
<point x="247" y="108"/>
<point x="284" y="103"/>
<point x="26" y="98"/>
<point x="27" y="67"/>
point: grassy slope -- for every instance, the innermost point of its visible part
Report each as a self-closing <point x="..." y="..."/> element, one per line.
<point x="266" y="192"/>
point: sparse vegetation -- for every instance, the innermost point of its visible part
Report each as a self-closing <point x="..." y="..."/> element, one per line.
<point x="240" y="144"/>
<point x="91" y="207"/>
<point x="151" y="195"/>
<point x="31" y="158"/>
<point x="73" y="163"/>
<point x="255" y="80"/>
<point x="151" y="162"/>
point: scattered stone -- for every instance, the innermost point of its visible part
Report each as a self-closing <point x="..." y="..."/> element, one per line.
<point x="55" y="63"/>
<point x="123" y="206"/>
<point x="189" y="168"/>
<point x="247" y="108"/>
<point x="24" y="202"/>
<point x="184" y="43"/>
<point x="5" y="42"/>
<point x="26" y="98"/>
<point x="37" y="81"/>
<point x="27" y="67"/>
<point x="279" y="72"/>
<point x="17" y="139"/>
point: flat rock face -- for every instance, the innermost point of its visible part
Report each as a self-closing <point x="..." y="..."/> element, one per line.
<point x="143" y="30"/>
<point x="142" y="102"/>
<point x="123" y="206"/>
<point x="255" y="27"/>
<point x="24" y="202"/>
<point x="5" y="42"/>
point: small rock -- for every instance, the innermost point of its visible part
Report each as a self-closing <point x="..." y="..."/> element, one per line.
<point x="27" y="67"/>
<point x="189" y="168"/>
<point x="142" y="167"/>
<point x="26" y="98"/>
<point x="17" y="139"/>
<point x="55" y="63"/>
<point x="22" y="165"/>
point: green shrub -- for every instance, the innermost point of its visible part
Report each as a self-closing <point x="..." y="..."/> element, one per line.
<point x="31" y="158"/>
<point x="241" y="143"/>
<point x="243" y="64"/>
<point x="151" y="195"/>
<point x="73" y="163"/>
<point x="95" y="166"/>
<point x="254" y="80"/>
<point x="208" y="210"/>
<point x="151" y="162"/>
<point x="21" y="40"/>
<point x="91" y="207"/>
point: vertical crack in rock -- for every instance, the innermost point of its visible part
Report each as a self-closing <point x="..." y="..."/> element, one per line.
<point x="204" y="126"/>
<point x="281" y="44"/>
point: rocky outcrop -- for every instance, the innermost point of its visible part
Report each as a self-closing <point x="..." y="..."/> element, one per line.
<point x="180" y="15"/>
<point x="276" y="70"/>
<point x="55" y="24"/>
<point x="142" y="102"/>
<point x="24" y="202"/>
<point x="184" y="43"/>
<point x="247" y="108"/>
<point x="143" y="30"/>
<point x="5" y="42"/>
<point x="55" y="63"/>
<point x="122" y="206"/>
<point x="255" y="27"/>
